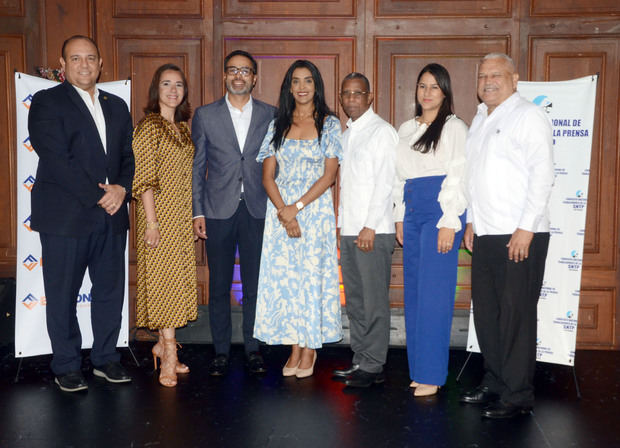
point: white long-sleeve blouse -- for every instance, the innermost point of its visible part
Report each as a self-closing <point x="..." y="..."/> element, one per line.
<point x="448" y="159"/>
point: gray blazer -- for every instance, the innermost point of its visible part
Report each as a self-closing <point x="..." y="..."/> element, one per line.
<point x="220" y="165"/>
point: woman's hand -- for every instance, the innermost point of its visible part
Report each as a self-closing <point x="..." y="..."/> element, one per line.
<point x="445" y="240"/>
<point x="287" y="213"/>
<point x="292" y="229"/>
<point x="151" y="238"/>
<point x="399" y="232"/>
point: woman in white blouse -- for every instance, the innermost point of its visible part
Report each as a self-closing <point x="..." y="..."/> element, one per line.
<point x="429" y="197"/>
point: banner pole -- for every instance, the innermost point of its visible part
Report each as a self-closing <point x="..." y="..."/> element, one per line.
<point x="458" y="377"/>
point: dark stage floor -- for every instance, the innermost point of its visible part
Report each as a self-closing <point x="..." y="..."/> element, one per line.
<point x="271" y="411"/>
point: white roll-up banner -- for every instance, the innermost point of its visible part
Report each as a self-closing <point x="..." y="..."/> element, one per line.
<point x="569" y="105"/>
<point x="31" y="337"/>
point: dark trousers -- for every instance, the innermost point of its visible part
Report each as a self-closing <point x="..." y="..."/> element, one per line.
<point x="223" y="237"/>
<point x="505" y="297"/>
<point x="65" y="260"/>
<point x="366" y="277"/>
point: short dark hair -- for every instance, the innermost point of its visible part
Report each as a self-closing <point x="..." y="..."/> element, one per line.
<point x="77" y="37"/>
<point x="183" y="111"/>
<point x="243" y="53"/>
<point x="356" y="75"/>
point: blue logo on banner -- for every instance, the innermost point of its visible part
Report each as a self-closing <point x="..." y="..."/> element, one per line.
<point x="30" y="301"/>
<point x="26" y="101"/>
<point x="29" y="183"/>
<point x="26" y="223"/>
<point x="579" y="194"/>
<point x="27" y="144"/>
<point x="569" y="314"/>
<point x="30" y="262"/>
<point x="544" y="102"/>
<point x="574" y="253"/>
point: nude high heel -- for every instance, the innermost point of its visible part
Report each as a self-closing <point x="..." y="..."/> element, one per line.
<point x="158" y="352"/>
<point x="414" y="384"/>
<point x="425" y="390"/>
<point x="290" y="371"/>
<point x="304" y="373"/>
<point x="168" y="374"/>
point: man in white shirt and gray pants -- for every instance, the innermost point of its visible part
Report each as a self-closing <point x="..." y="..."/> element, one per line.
<point x="366" y="230"/>
<point x="509" y="179"/>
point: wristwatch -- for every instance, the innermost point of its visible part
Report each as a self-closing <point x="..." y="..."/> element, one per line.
<point x="299" y="205"/>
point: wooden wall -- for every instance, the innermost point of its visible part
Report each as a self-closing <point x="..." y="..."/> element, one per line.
<point x="388" y="40"/>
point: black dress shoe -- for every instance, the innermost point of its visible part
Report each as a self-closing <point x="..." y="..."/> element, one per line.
<point x="113" y="372"/>
<point x="361" y="378"/>
<point x="255" y="363"/>
<point x="71" y="382"/>
<point x="343" y="373"/>
<point x="219" y="366"/>
<point x="480" y="395"/>
<point x="501" y="409"/>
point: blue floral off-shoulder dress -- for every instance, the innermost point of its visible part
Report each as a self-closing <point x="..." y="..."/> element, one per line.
<point x="298" y="287"/>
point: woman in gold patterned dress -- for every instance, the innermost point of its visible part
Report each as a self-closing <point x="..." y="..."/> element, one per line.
<point x="162" y="186"/>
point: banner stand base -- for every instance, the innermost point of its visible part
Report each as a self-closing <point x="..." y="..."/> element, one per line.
<point x="19" y="364"/>
<point x="577" y="389"/>
<point x="133" y="356"/>
<point x="19" y="367"/>
<point x="458" y="377"/>
<point x="576" y="382"/>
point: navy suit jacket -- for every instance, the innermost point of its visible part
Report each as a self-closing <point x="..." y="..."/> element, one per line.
<point x="72" y="161"/>
<point x="216" y="193"/>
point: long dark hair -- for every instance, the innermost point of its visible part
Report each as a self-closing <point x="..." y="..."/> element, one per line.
<point x="183" y="111"/>
<point x="429" y="140"/>
<point x="286" y="104"/>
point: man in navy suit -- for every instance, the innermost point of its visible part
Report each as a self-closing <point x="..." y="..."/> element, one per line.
<point x="79" y="207"/>
<point x="230" y="201"/>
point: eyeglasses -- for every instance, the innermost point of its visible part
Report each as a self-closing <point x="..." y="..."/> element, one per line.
<point x="243" y="71"/>
<point x="356" y="94"/>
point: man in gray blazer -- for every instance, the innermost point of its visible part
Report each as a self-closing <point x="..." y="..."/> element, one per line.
<point x="230" y="201"/>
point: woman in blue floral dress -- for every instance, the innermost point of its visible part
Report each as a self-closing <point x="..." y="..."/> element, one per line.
<point x="298" y="288"/>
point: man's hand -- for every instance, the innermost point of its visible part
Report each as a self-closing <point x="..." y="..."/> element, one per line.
<point x="365" y="240"/>
<point x="445" y="240"/>
<point x="519" y="245"/>
<point x="468" y="238"/>
<point x="112" y="199"/>
<point x="200" y="228"/>
<point x="399" y="232"/>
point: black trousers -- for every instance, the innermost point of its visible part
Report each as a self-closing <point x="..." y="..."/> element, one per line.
<point x="505" y="297"/>
<point x="65" y="262"/>
<point x="223" y="237"/>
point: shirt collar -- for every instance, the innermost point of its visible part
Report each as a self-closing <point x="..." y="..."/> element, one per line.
<point x="245" y="107"/>
<point x="508" y="102"/>
<point x="86" y="95"/>
<point x="361" y="121"/>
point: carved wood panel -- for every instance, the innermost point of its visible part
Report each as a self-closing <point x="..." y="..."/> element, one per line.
<point x="158" y="8"/>
<point x="445" y="8"/>
<point x="334" y="57"/>
<point x="399" y="60"/>
<point x="282" y="8"/>
<point x="11" y="58"/>
<point x="577" y="8"/>
<point x="568" y="58"/>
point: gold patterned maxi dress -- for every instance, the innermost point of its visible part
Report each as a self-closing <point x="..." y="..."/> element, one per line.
<point x="166" y="288"/>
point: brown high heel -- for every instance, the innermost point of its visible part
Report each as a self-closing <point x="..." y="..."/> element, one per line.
<point x="168" y="374"/>
<point x="426" y="390"/>
<point x="158" y="352"/>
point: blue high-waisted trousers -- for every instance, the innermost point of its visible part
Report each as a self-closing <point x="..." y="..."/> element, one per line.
<point x="430" y="282"/>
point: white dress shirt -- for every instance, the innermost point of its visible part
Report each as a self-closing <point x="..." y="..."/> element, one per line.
<point x="366" y="175"/>
<point x="94" y="107"/>
<point x="509" y="168"/>
<point x="447" y="160"/>
<point x="241" y="122"/>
